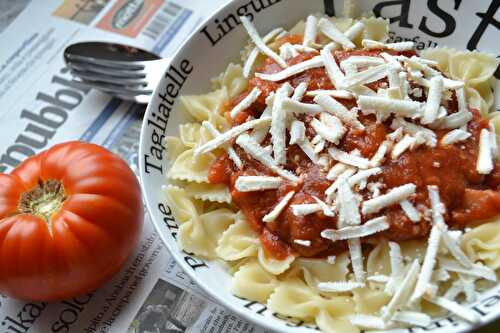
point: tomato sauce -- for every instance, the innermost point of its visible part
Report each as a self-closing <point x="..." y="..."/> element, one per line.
<point x="468" y="196"/>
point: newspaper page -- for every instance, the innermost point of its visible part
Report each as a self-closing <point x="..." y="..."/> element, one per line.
<point x="42" y="107"/>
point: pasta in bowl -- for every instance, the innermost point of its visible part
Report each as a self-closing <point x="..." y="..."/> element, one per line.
<point x="344" y="182"/>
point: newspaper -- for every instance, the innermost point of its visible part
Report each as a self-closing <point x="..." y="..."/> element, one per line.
<point x="42" y="107"/>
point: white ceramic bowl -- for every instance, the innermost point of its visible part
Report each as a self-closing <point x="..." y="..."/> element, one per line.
<point x="208" y="51"/>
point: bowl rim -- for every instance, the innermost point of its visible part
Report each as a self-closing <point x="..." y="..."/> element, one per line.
<point x="173" y="247"/>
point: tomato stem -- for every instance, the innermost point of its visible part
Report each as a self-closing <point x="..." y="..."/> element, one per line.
<point x="44" y="200"/>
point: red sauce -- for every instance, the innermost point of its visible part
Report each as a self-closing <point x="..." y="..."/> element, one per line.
<point x="468" y="196"/>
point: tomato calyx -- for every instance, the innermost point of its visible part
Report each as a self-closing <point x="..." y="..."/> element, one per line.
<point x="44" y="200"/>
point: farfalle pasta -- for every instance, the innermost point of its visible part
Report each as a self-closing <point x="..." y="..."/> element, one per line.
<point x="346" y="181"/>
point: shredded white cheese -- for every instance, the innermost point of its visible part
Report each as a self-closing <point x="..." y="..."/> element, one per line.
<point x="361" y="177"/>
<point x="259" y="134"/>
<point x="438" y="208"/>
<point x="395" y="195"/>
<point x="371" y="227"/>
<point x="378" y="278"/>
<point x="252" y="56"/>
<point x="329" y="128"/>
<point x="372" y="74"/>
<point x="257" y="183"/>
<point x="268" y="149"/>
<point x="229" y="135"/>
<point x="356" y="254"/>
<point x="454" y="136"/>
<point x="254" y="35"/>
<point x="303" y="49"/>
<point x="305" y="209"/>
<point x="493" y="138"/>
<point x="339" y="286"/>
<point x="252" y="148"/>
<point x="454" y="120"/>
<point x="404" y="108"/>
<point x="454" y="290"/>
<point x="397" y="268"/>
<point x="399" y="46"/>
<point x="292" y="70"/>
<point x="374" y="188"/>
<point x="425" y="276"/>
<point x="368" y="321"/>
<point x="412" y="318"/>
<point x="282" y="34"/>
<point x="456" y="308"/>
<point x="349" y="68"/>
<point x="433" y="100"/>
<point x="276" y="211"/>
<point x="404" y="144"/>
<point x="332" y="69"/>
<point x="392" y="61"/>
<point x="402" y="293"/>
<point x="417" y="64"/>
<point x="442" y="112"/>
<point x="308" y="149"/>
<point x="379" y="155"/>
<point x="337" y="170"/>
<point x="440" y="275"/>
<point x="394" y="92"/>
<point x="396" y="135"/>
<point x="297" y="132"/>
<point x="310" y="31"/>
<point x="343" y="177"/>
<point x="452" y="84"/>
<point x="417" y="92"/>
<point x="349" y="158"/>
<point x="302" y="242"/>
<point x="234" y="157"/>
<point x="410" y="211"/>
<point x="354" y="30"/>
<point x="405" y="85"/>
<point x="327" y="211"/>
<point x="337" y="109"/>
<point x="348" y="205"/>
<point x="428" y="61"/>
<point x="394" y="82"/>
<point x="428" y="136"/>
<point x="246" y="102"/>
<point x="287" y="51"/>
<point x="299" y="91"/>
<point x="316" y="139"/>
<point x="343" y="94"/>
<point x="290" y="105"/>
<point x="278" y="123"/>
<point x="362" y="91"/>
<point x="469" y="288"/>
<point x="485" y="158"/>
<point x="360" y="61"/>
<point x="331" y="31"/>
<point x="318" y="148"/>
<point x="462" y="102"/>
<point x="230" y="150"/>
<point x="477" y="270"/>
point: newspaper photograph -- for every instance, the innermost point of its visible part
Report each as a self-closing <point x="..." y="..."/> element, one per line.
<point x="44" y="107"/>
<point x="177" y="305"/>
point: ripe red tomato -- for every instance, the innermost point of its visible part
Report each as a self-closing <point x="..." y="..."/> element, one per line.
<point x="69" y="218"/>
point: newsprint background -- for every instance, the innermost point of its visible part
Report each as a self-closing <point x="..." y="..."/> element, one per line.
<point x="151" y="294"/>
